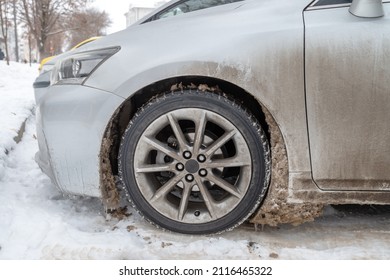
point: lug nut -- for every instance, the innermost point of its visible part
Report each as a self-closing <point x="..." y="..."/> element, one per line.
<point x="187" y="155"/>
<point x="203" y="172"/>
<point x="201" y="158"/>
<point x="180" y="167"/>
<point x="189" y="178"/>
<point x="197" y="213"/>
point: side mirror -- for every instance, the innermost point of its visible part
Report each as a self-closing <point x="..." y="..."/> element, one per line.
<point x="367" y="8"/>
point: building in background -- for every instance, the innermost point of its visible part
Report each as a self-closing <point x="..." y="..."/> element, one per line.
<point x="139" y="9"/>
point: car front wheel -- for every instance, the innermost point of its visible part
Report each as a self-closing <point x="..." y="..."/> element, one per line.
<point x="194" y="162"/>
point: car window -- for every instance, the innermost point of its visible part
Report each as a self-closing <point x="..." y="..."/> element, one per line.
<point x="331" y="2"/>
<point x="187" y="6"/>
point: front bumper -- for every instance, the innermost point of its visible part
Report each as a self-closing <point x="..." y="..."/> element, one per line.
<point x="71" y="121"/>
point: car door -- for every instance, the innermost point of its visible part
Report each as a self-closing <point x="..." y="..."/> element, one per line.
<point x="347" y="66"/>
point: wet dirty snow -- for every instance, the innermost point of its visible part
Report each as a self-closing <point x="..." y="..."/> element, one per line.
<point x="38" y="222"/>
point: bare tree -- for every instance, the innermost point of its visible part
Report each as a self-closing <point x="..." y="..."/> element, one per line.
<point x="88" y="23"/>
<point x="4" y="24"/>
<point x="44" y="17"/>
<point x="14" y="11"/>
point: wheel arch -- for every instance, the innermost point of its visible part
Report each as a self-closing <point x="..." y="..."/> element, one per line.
<point x="122" y="116"/>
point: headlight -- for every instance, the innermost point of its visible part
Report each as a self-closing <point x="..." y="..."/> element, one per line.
<point x="75" y="69"/>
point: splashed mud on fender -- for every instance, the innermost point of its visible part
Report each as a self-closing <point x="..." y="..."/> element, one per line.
<point x="276" y="209"/>
<point x="109" y="191"/>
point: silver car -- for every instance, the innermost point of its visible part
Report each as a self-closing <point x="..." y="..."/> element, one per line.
<point x="257" y="110"/>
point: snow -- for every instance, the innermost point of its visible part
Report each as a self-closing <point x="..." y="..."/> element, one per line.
<point x="38" y="222"/>
<point x="16" y="104"/>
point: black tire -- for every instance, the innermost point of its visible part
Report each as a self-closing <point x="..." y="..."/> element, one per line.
<point x="189" y="184"/>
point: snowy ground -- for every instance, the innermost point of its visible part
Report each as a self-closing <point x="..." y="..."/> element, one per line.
<point x="16" y="103"/>
<point x="37" y="222"/>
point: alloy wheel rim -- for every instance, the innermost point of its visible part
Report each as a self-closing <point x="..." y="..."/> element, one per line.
<point x="192" y="165"/>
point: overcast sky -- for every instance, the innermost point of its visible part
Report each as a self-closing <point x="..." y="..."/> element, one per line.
<point x="116" y="9"/>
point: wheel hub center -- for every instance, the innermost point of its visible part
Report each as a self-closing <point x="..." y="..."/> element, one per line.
<point x="192" y="166"/>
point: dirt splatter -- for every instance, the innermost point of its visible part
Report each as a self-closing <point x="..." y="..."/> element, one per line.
<point x="166" y="244"/>
<point x="110" y="194"/>
<point x="201" y="87"/>
<point x="119" y="213"/>
<point x="273" y="256"/>
<point x="131" y="228"/>
<point x="276" y="209"/>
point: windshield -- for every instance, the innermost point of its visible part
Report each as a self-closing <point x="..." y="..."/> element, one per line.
<point x="186" y="6"/>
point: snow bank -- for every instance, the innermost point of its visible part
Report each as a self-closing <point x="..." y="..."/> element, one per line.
<point x="16" y="103"/>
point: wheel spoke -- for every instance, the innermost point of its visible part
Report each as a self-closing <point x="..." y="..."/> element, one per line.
<point x="228" y="162"/>
<point x="224" y="185"/>
<point x="178" y="132"/>
<point x="184" y="201"/>
<point x="164" y="148"/>
<point x="199" y="132"/>
<point x="166" y="188"/>
<point x="150" y="168"/>
<point x="208" y="199"/>
<point x="219" y="143"/>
